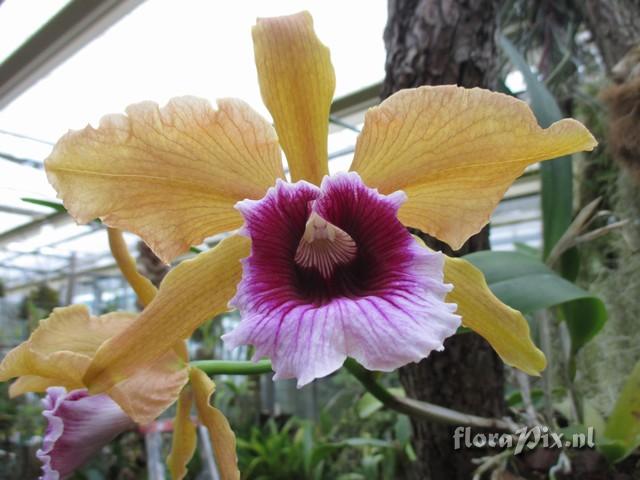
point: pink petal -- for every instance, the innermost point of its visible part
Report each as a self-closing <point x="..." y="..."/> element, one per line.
<point x="385" y="308"/>
<point x="79" y="426"/>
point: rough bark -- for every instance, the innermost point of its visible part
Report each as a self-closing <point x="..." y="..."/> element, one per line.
<point x="432" y="42"/>
<point x="151" y="266"/>
<point x="436" y="42"/>
<point x="615" y="25"/>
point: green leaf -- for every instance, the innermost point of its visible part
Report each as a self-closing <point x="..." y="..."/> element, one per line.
<point x="556" y="175"/>
<point x="622" y="431"/>
<point x="527" y="250"/>
<point x="351" y="476"/>
<point x="58" y="207"/>
<point x="585" y="318"/>
<point x="402" y="429"/>
<point x="515" y="400"/>
<point x="613" y="450"/>
<point x="368" y="404"/>
<point x="527" y="284"/>
<point x="364" y="442"/>
<point x="592" y="417"/>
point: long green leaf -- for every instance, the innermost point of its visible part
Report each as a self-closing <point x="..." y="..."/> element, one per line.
<point x="557" y="175"/>
<point x="622" y="431"/>
<point x="58" y="207"/>
<point x="526" y="284"/>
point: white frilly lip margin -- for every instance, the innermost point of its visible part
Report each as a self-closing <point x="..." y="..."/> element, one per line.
<point x="79" y="425"/>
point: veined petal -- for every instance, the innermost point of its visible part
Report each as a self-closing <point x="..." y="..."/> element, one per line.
<point x="506" y="330"/>
<point x="183" y="443"/>
<point x="223" y="440"/>
<point x="150" y="391"/>
<point x="79" y="425"/>
<point x="65" y="367"/>
<point x="454" y="152"/>
<point x="73" y="329"/>
<point x="171" y="174"/>
<point x="194" y="291"/>
<point x="384" y="307"/>
<point x="297" y="82"/>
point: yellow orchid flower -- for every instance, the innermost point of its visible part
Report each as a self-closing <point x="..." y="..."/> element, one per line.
<point x="60" y="350"/>
<point x="331" y="269"/>
<point x="55" y="358"/>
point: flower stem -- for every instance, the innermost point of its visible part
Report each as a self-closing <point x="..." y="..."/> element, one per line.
<point x="218" y="367"/>
<point x="424" y="410"/>
<point x="145" y="290"/>
<point x="143" y="287"/>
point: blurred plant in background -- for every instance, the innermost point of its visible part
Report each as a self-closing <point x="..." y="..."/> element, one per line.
<point x="348" y="440"/>
<point x="20" y="430"/>
<point x="38" y="304"/>
<point x="21" y="419"/>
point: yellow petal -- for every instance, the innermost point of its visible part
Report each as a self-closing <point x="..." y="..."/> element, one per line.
<point x="183" y="444"/>
<point x="506" y="330"/>
<point x="74" y="329"/>
<point x="60" y="350"/>
<point x="222" y="437"/>
<point x="171" y="174"/>
<point x="150" y="391"/>
<point x="194" y="291"/>
<point x="31" y="383"/>
<point x="454" y="152"/>
<point x="63" y="344"/>
<point x="297" y="82"/>
<point x="17" y="362"/>
<point x="66" y="367"/>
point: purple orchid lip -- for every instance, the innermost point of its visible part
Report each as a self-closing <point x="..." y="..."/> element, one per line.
<point x="79" y="425"/>
<point x="374" y="294"/>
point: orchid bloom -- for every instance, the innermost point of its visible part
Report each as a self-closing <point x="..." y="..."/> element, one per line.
<point x="331" y="269"/>
<point x="79" y="425"/>
<point x="55" y="358"/>
<point x="60" y="350"/>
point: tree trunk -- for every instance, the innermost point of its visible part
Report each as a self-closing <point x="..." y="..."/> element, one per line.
<point x="615" y="25"/>
<point x="434" y="42"/>
<point x="150" y="266"/>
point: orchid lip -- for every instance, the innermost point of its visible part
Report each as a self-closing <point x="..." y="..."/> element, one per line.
<point x="79" y="425"/>
<point x="334" y="274"/>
